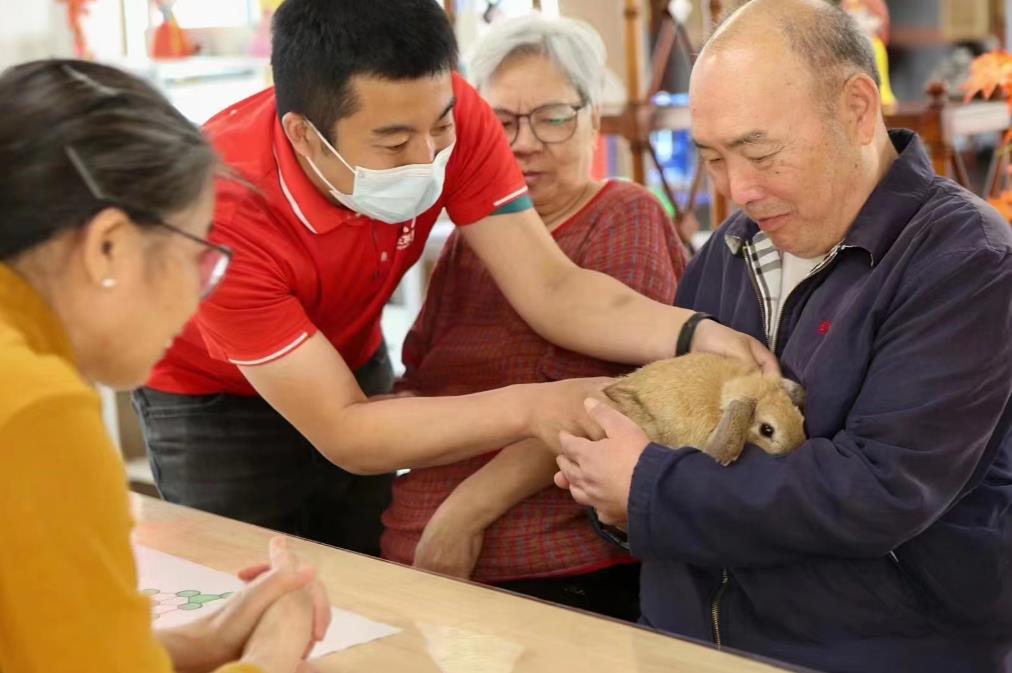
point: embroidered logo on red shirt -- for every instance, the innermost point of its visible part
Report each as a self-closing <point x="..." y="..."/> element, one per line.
<point x="407" y="236"/>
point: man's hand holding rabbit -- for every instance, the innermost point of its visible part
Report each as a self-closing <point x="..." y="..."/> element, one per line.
<point x="599" y="474"/>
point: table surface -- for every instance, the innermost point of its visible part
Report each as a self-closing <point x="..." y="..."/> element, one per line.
<point x="448" y="626"/>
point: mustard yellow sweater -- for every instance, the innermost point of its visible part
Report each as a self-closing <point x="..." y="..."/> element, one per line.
<point x="68" y="585"/>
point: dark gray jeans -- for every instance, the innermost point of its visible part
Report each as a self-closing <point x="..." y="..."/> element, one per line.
<point x="238" y="457"/>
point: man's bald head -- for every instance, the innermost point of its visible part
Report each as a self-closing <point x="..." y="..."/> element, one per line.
<point x="820" y="35"/>
<point x="788" y="120"/>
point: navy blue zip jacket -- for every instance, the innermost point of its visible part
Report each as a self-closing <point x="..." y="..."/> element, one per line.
<point x="884" y="543"/>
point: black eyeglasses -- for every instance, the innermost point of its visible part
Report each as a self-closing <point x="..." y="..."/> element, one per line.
<point x="213" y="261"/>
<point x="551" y="124"/>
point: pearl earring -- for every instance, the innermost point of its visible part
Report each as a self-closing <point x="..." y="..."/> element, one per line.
<point x="108" y="283"/>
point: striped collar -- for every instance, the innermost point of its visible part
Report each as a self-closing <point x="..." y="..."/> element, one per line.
<point x="765" y="264"/>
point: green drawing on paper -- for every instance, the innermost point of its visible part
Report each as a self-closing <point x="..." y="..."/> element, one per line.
<point x="188" y="599"/>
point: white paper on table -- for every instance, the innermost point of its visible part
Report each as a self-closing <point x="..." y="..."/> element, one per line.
<point x="181" y="591"/>
<point x="458" y="650"/>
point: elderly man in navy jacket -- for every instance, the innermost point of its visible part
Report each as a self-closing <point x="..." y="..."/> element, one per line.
<point x="884" y="543"/>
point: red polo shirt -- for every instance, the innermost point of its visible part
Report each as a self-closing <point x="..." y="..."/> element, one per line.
<point x="303" y="264"/>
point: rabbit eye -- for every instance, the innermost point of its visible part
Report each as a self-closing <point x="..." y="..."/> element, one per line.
<point x="766" y="430"/>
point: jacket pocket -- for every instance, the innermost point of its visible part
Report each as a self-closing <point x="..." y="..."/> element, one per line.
<point x="835" y="599"/>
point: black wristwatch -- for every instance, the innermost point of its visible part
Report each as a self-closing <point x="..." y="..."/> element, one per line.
<point x="615" y="536"/>
<point x="688" y="330"/>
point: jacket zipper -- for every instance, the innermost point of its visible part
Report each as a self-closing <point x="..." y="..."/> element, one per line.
<point x="715" y="606"/>
<point x="725" y="576"/>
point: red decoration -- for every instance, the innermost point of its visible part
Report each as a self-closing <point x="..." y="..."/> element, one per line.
<point x="76" y="11"/>
<point x="170" y="40"/>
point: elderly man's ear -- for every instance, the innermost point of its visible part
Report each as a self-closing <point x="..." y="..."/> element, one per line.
<point x="862" y="107"/>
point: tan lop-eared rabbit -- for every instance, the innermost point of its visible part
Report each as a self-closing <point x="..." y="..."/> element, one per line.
<point x="713" y="403"/>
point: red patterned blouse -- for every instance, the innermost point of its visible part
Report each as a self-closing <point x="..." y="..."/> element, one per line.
<point x="467" y="339"/>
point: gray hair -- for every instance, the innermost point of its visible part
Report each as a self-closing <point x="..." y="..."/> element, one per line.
<point x="574" y="46"/>
<point x="831" y="39"/>
<point x="823" y="36"/>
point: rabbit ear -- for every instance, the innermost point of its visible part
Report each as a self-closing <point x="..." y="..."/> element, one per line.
<point x="795" y="392"/>
<point x="627" y="400"/>
<point x="728" y="439"/>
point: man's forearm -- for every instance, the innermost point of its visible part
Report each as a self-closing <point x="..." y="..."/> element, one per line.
<point x="316" y="393"/>
<point x="382" y="436"/>
<point x="594" y="314"/>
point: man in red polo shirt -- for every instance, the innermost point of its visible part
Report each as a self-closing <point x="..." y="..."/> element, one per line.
<point x="345" y="165"/>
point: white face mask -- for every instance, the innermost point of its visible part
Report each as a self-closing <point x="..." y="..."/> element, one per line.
<point x="393" y="195"/>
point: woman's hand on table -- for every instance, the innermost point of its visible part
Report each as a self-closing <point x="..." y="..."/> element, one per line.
<point x="292" y="623"/>
<point x="224" y="635"/>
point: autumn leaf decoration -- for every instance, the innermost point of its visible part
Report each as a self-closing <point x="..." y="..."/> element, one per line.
<point x="990" y="73"/>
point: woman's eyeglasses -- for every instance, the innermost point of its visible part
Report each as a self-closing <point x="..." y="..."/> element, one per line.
<point x="551" y="124"/>
<point x="213" y="262"/>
